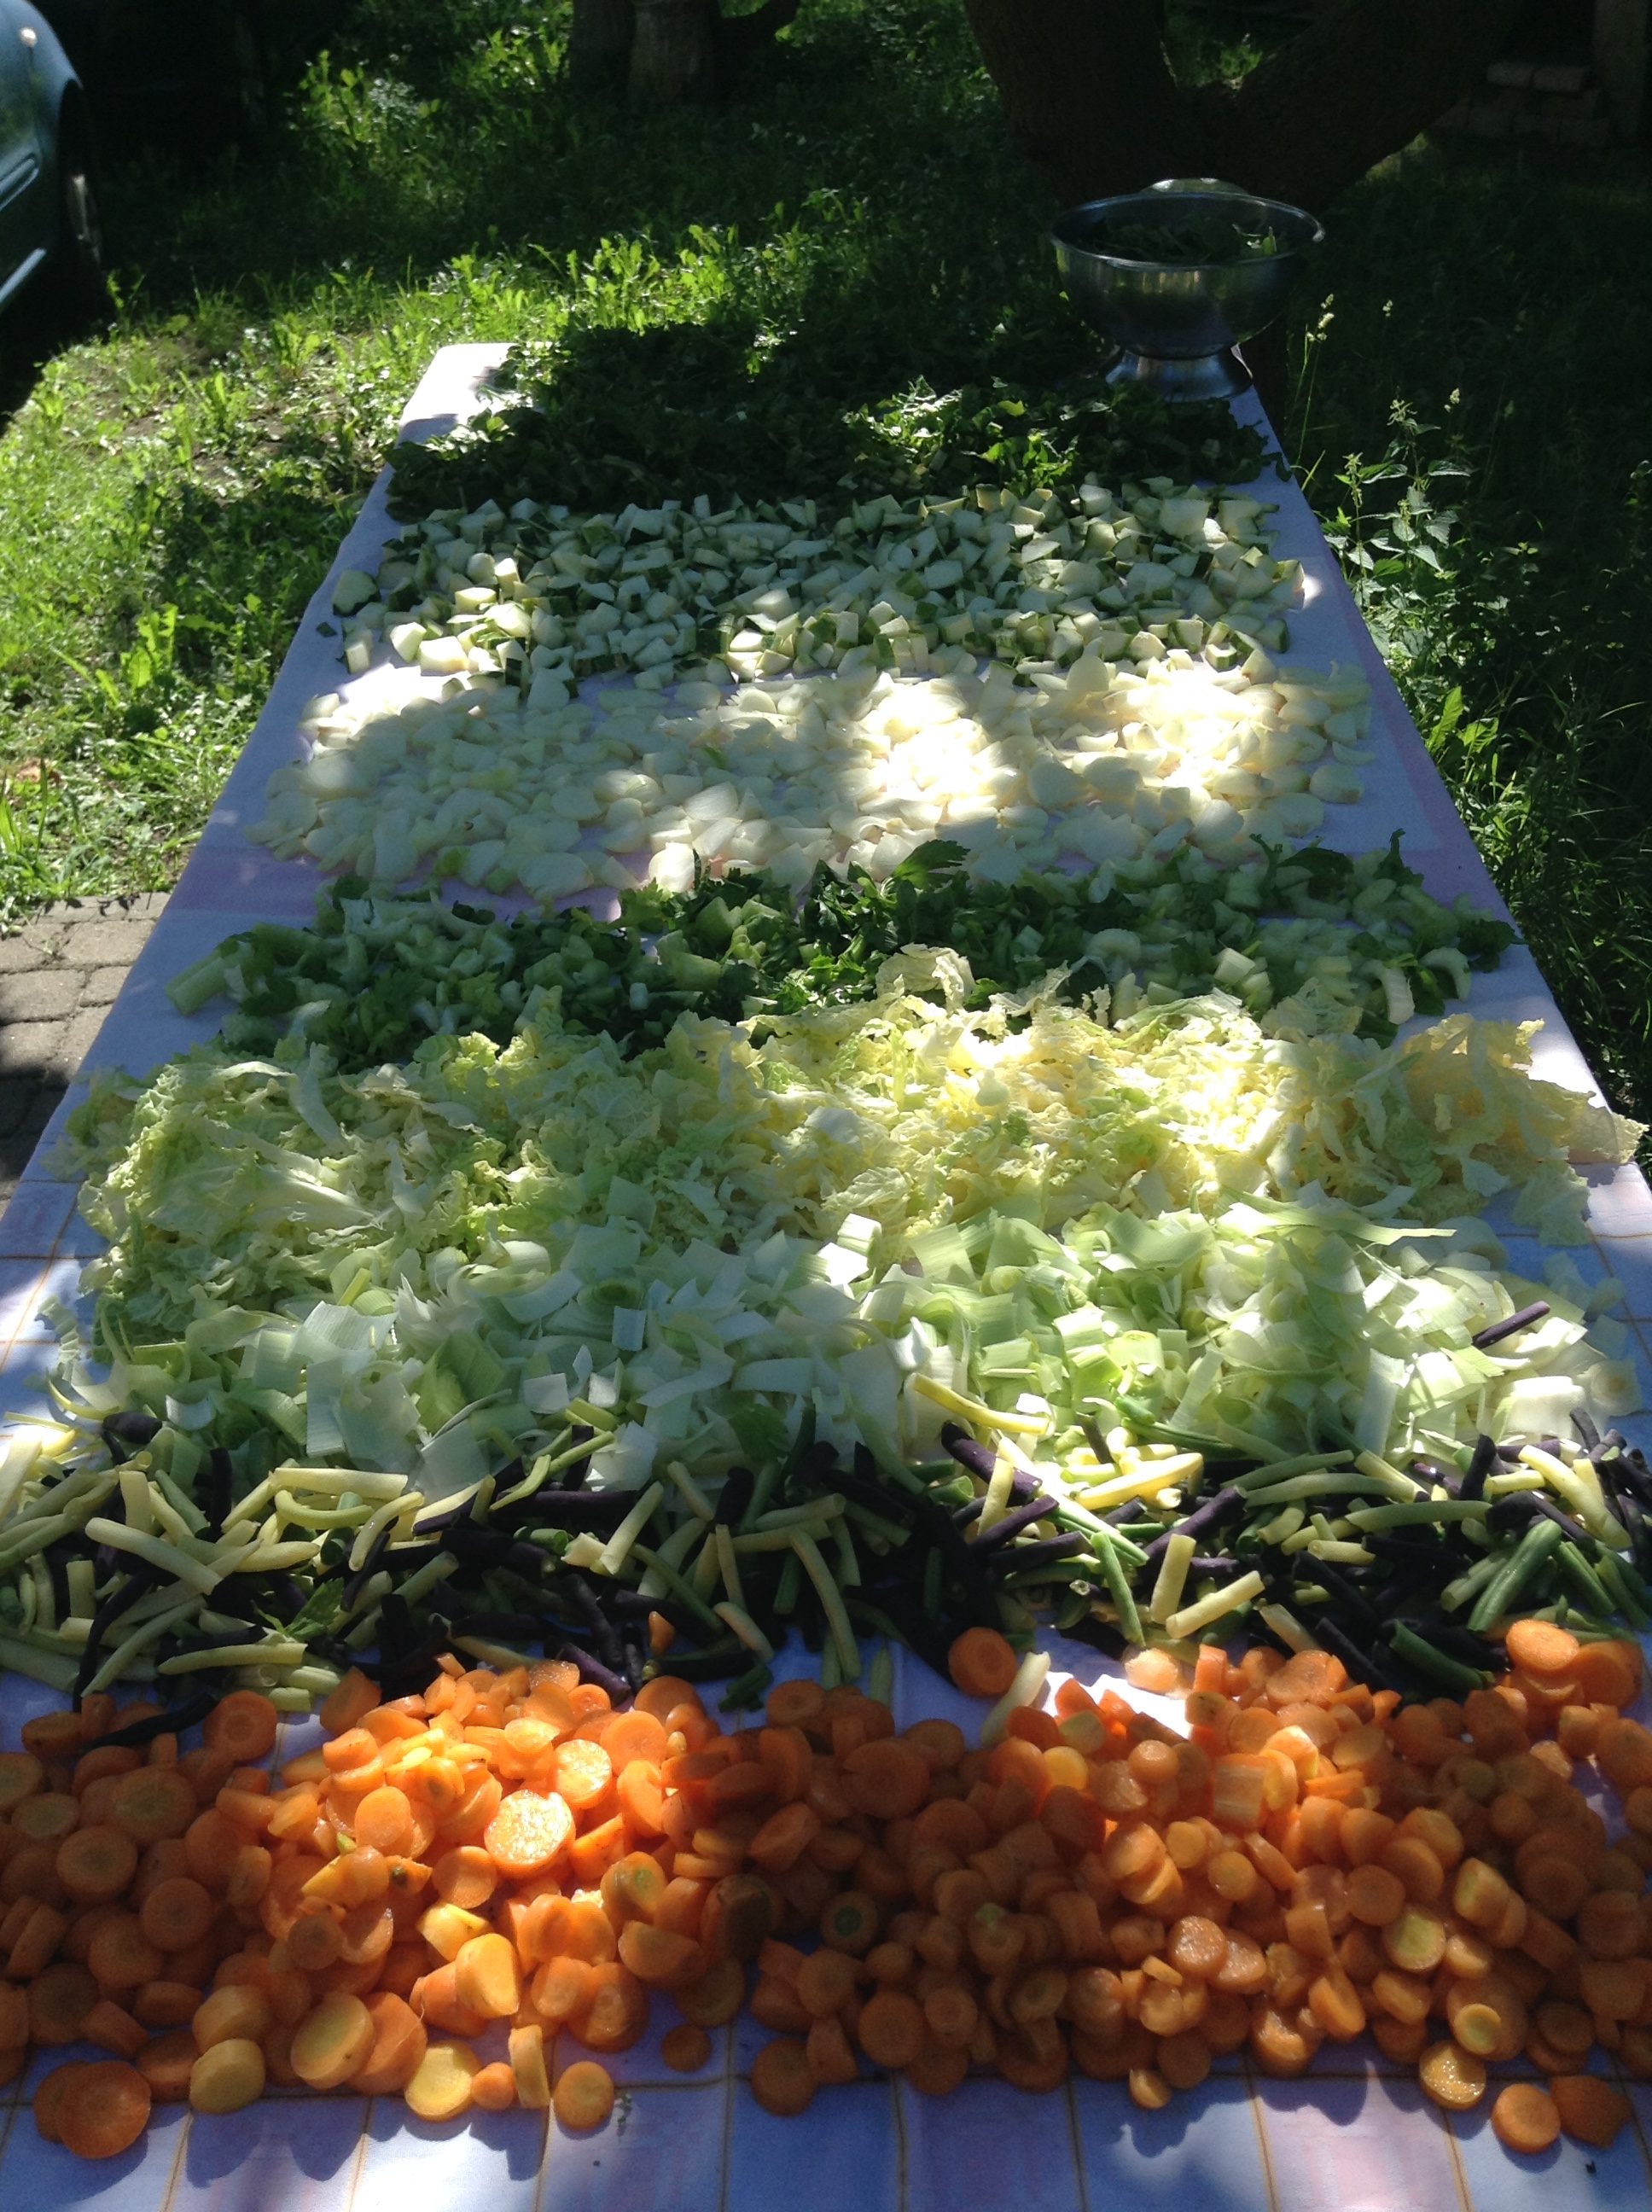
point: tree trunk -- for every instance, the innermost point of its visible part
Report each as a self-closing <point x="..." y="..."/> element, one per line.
<point x="1090" y="101"/>
<point x="674" y="57"/>
<point x="600" y="43"/>
<point x="689" y="50"/>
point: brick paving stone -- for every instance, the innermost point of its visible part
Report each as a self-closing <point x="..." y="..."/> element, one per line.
<point x="102" y="986"/>
<point x="35" y="947"/>
<point x="58" y="976"/>
<point x="40" y="995"/>
<point x="75" y="1040"/>
<point x="101" y="943"/>
<point x="29" y="1048"/>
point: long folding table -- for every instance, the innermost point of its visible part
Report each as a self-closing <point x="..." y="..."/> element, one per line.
<point x="1356" y="2133"/>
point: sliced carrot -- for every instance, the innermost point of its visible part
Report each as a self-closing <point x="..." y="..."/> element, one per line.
<point x="161" y="1861"/>
<point x="1540" y="1648"/>
<point x="177" y="1913"/>
<point x="227" y="2076"/>
<point x="114" y="2030"/>
<point x="31" y="1871"/>
<point x="891" y="2029"/>
<point x="889" y="1780"/>
<point x="399" y="2041"/>
<point x="32" y="1949"/>
<point x="527" y="2062"/>
<point x="562" y="1988"/>
<point x="658" y="1958"/>
<point x="982" y="1662"/>
<point x="830" y="2053"/>
<point x="166" y="2062"/>
<point x="153" y="1802"/>
<point x="48" y="2097"/>
<point x="782" y="2080"/>
<point x="60" y="1999"/>
<point x="385" y="1819"/>
<point x="346" y="1707"/>
<point x="241" y="1726"/>
<point x="530" y="1833"/>
<point x="641" y="1799"/>
<point x="584" y="1772"/>
<point x="634" y="1735"/>
<point x="1608" y="1674"/>
<point x="210" y="1843"/>
<point x="441" y="2084"/>
<point x="54" y="1735"/>
<point x="1524" y="2118"/>
<point x="493" y="2089"/>
<point x="332" y="2042"/>
<point x="466" y="1875"/>
<point x="165" y="2004"/>
<point x="121" y="1955"/>
<point x="591" y="1854"/>
<point x="488" y="1977"/>
<point x="104" y="2109"/>
<point x="95" y="1863"/>
<point x="249" y="1877"/>
<point x="47" y="1817"/>
<point x="584" y="2095"/>
<point x="21" y="1773"/>
<point x="236" y="2012"/>
<point x="1590" y="2110"/>
<point x="715" y="1998"/>
<point x="616" y="2013"/>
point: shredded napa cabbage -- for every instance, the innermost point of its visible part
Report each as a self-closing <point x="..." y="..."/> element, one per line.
<point x="1259" y="1240"/>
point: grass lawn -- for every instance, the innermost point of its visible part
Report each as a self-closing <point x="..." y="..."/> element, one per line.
<point x="172" y="487"/>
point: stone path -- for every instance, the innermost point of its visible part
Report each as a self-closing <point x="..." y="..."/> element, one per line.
<point x="59" y="977"/>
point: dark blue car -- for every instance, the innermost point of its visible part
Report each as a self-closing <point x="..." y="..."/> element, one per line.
<point x="48" y="210"/>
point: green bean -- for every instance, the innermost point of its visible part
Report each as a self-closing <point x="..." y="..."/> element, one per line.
<point x="1118" y="1590"/>
<point x="1471" y="1580"/>
<point x="1321" y="1485"/>
<point x="1406" y="1644"/>
<point x="1103" y="1535"/>
<point x="1621" y="1579"/>
<point x="1426" y="1513"/>
<point x="279" y="1651"/>
<point x="746" y="1690"/>
<point x="790" y="1582"/>
<point x="56" y="1670"/>
<point x="1260" y="1478"/>
<point x="1533" y="1551"/>
<point x="1596" y="1598"/>
<point x="779" y="1539"/>
<point x="683" y="1592"/>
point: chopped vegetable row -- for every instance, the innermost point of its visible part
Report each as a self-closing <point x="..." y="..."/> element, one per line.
<point x="1304" y="940"/>
<point x="1095" y="764"/>
<point x="544" y="597"/>
<point x="501" y="1859"/>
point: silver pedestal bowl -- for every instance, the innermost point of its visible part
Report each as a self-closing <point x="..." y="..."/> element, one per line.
<point x="1177" y="320"/>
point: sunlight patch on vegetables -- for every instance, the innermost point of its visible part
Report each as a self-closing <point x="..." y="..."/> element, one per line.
<point x="1096" y="764"/>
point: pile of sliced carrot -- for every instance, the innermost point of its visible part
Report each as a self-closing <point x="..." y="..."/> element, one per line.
<point x="506" y="1856"/>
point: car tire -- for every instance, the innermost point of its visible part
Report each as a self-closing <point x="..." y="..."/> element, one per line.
<point x="76" y="282"/>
